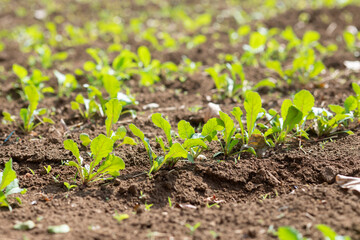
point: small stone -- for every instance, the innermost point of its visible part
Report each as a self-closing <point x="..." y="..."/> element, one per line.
<point x="133" y="190"/>
<point x="328" y="174"/>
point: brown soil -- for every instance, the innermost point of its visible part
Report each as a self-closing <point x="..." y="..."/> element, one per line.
<point x="290" y="186"/>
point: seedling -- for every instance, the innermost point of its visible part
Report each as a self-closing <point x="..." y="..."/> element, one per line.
<point x="48" y="169"/>
<point x="142" y="195"/>
<point x="28" y="115"/>
<point x="67" y="83"/>
<point x="193" y="228"/>
<point x="330" y="234"/>
<point x="326" y="124"/>
<point x="32" y="171"/>
<point x="56" y="178"/>
<point x="233" y="85"/>
<point x="46" y="57"/>
<point x="170" y="202"/>
<point x="148" y="69"/>
<point x="37" y="80"/>
<point x="120" y="217"/>
<point x="101" y="148"/>
<point x="90" y="105"/>
<point x="193" y="143"/>
<point x="172" y="153"/>
<point x="351" y="39"/>
<point x="8" y="118"/>
<point x="69" y="186"/>
<point x="304" y="68"/>
<point x="285" y="233"/>
<point x="214" y="234"/>
<point x="9" y="185"/>
<point x="148" y="206"/>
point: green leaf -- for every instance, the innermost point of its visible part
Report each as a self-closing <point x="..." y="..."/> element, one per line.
<point x="265" y="83"/>
<point x="112" y="164"/>
<point x="33" y="97"/>
<point x="276" y="66"/>
<point x="285" y="107"/>
<point x="257" y="40"/>
<point x="20" y="71"/>
<point x="13" y="188"/>
<point x="144" y="55"/>
<point x="160" y="122"/>
<point x="48" y="120"/>
<point x="252" y="107"/>
<point x="237" y="113"/>
<point x="112" y="112"/>
<point x="336" y="109"/>
<point x="356" y="88"/>
<point x="111" y="84"/>
<point x="24" y="117"/>
<point x="310" y="37"/>
<point x="189" y="143"/>
<point x="128" y="141"/>
<point x="75" y="105"/>
<point x="8" y="117"/>
<point x="8" y="175"/>
<point x="100" y="147"/>
<point x="47" y="90"/>
<point x="176" y="151"/>
<point x="229" y="127"/>
<point x="119" y="134"/>
<point x="327" y="231"/>
<point x="137" y="132"/>
<point x="350" y="104"/>
<point x="304" y="101"/>
<point x="317" y="68"/>
<point x="64" y="228"/>
<point x="289" y="233"/>
<point x="349" y="39"/>
<point x="293" y="117"/>
<point x="69" y="186"/>
<point x="70" y="145"/>
<point x="89" y="66"/>
<point x="120" y="217"/>
<point x="211" y="128"/>
<point x="85" y="139"/>
<point x="185" y="129"/>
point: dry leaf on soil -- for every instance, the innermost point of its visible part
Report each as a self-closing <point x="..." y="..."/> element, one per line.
<point x="352" y="183"/>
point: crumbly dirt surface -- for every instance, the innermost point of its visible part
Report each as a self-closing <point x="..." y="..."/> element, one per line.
<point x="289" y="186"/>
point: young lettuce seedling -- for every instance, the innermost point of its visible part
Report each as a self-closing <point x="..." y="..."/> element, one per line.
<point x="171" y="153"/>
<point x="9" y="185"/>
<point x="229" y="86"/>
<point x="37" y="79"/>
<point x="293" y="115"/>
<point x="350" y="41"/>
<point x="101" y="148"/>
<point x="28" y="114"/>
<point x="69" y="186"/>
<point x="67" y="83"/>
<point x="193" y="142"/>
<point x="112" y="112"/>
<point x="90" y="105"/>
<point x="328" y="233"/>
<point x="47" y="169"/>
<point x="231" y="136"/>
<point x="149" y="70"/>
<point x="286" y="233"/>
<point x="46" y="57"/>
<point x="325" y="124"/>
